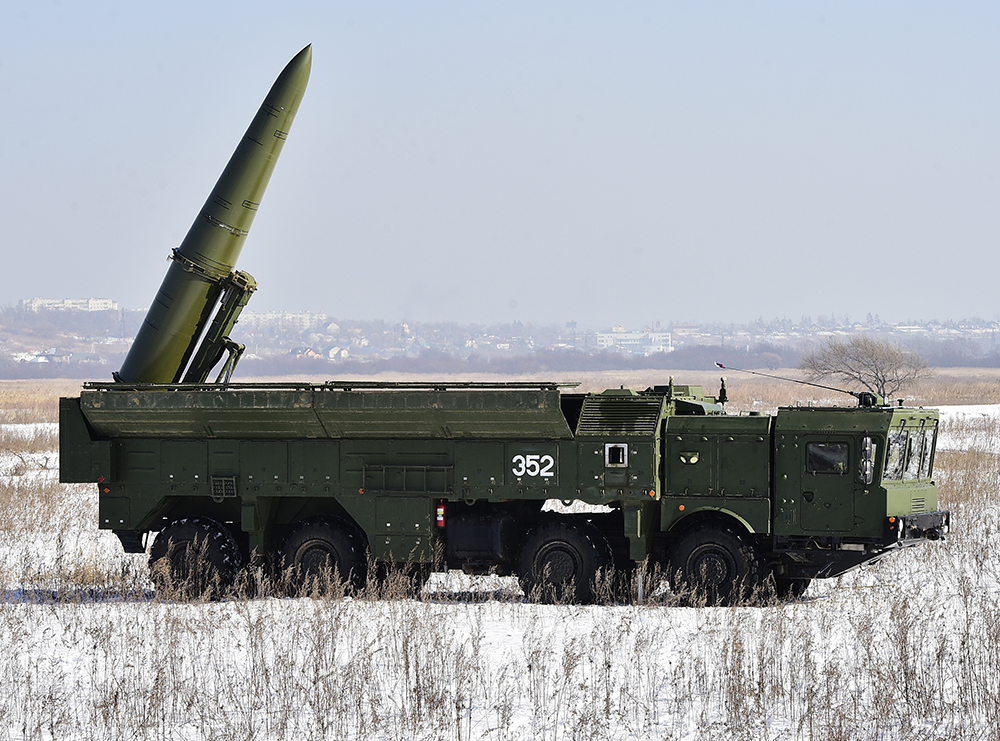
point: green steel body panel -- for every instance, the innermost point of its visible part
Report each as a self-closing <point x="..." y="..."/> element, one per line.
<point x="322" y="411"/>
<point x="840" y="502"/>
<point x="262" y="454"/>
<point x="717" y="464"/>
<point x="620" y="412"/>
<point x="265" y="456"/>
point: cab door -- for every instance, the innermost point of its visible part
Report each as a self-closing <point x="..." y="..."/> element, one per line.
<point x="816" y="483"/>
<point x="828" y="484"/>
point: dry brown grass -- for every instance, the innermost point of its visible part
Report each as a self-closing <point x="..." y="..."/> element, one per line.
<point x="906" y="649"/>
<point x="34" y="401"/>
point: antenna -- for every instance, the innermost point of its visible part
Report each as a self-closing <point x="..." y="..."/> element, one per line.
<point x="865" y="398"/>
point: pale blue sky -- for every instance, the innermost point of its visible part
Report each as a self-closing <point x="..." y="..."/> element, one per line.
<point x="488" y="162"/>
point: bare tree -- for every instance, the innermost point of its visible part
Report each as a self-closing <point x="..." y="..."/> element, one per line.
<point x="879" y="365"/>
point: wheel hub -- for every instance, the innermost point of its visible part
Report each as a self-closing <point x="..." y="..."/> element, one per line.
<point x="712" y="568"/>
<point x="315" y="558"/>
<point x="558" y="564"/>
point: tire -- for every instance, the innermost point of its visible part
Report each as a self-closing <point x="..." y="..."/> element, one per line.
<point x="713" y="565"/>
<point x="194" y="557"/>
<point x="560" y="561"/>
<point x="325" y="552"/>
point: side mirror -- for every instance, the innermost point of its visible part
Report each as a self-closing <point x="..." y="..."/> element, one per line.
<point x="868" y="449"/>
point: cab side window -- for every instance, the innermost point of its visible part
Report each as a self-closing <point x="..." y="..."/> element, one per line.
<point x="896" y="456"/>
<point x="826" y="458"/>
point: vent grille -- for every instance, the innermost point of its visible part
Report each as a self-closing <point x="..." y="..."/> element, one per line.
<point x="918" y="504"/>
<point x="409" y="479"/>
<point x="223" y="487"/>
<point x="620" y="415"/>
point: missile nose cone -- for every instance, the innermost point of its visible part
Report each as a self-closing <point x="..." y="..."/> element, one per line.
<point x="304" y="58"/>
<point x="295" y="75"/>
<point x="287" y="91"/>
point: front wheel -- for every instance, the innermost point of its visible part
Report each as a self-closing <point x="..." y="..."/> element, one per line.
<point x="714" y="565"/>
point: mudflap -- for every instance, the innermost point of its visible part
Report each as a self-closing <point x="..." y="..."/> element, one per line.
<point x="132" y="540"/>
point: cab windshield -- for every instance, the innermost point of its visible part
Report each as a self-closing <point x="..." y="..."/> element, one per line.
<point x="909" y="453"/>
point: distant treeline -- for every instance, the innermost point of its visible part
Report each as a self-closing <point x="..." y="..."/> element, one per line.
<point x="537" y="361"/>
<point x="12" y="369"/>
<point x="53" y="324"/>
<point x="19" y="329"/>
<point x="436" y="361"/>
<point x="941" y="354"/>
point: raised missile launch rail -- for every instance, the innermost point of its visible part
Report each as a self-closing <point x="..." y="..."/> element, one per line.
<point x="201" y="269"/>
<point x="320" y="480"/>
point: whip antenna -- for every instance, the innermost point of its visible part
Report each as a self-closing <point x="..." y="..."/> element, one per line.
<point x="865" y="398"/>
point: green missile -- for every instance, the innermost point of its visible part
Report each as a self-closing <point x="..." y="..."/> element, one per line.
<point x="201" y="267"/>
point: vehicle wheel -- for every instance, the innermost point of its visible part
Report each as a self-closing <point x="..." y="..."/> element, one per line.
<point x="194" y="557"/>
<point x="560" y="560"/>
<point x="788" y="589"/>
<point x="714" y="565"/>
<point x="324" y="552"/>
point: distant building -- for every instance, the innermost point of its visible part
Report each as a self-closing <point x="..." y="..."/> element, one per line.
<point x="301" y="319"/>
<point x="685" y="329"/>
<point x="69" y="304"/>
<point x="635" y="343"/>
<point x="51" y="355"/>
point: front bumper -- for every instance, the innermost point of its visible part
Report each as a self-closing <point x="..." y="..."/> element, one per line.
<point x="911" y="529"/>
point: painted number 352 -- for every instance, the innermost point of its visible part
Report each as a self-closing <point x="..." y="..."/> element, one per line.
<point x="533" y="465"/>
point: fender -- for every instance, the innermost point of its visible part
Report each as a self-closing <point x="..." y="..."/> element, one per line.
<point x="678" y="513"/>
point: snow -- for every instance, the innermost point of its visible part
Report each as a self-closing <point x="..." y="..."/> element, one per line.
<point x="968" y="411"/>
<point x="907" y="648"/>
<point x="970" y="427"/>
<point x="30" y="430"/>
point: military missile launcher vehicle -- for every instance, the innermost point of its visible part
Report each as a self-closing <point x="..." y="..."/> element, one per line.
<point x="314" y="479"/>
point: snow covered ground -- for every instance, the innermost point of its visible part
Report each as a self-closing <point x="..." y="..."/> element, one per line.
<point x="908" y="648"/>
<point x="970" y="427"/>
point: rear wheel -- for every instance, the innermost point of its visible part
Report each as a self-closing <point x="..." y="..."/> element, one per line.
<point x="324" y="552"/>
<point x="560" y="561"/>
<point x="714" y="565"/>
<point x="194" y="557"/>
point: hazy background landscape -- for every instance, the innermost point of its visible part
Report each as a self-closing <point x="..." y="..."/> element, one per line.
<point x="522" y="162"/>
<point x="54" y="343"/>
